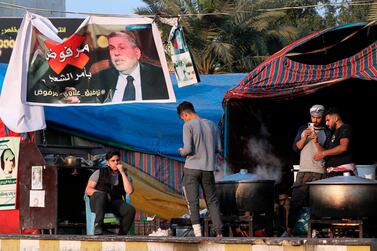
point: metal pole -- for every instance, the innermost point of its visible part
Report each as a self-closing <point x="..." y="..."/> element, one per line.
<point x="226" y="138"/>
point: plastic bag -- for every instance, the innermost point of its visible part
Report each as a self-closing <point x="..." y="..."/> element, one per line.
<point x="301" y="226"/>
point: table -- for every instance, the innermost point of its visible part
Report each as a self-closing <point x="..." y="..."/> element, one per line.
<point x="337" y="227"/>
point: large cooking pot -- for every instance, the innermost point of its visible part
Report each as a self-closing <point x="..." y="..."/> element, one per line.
<point x="343" y="197"/>
<point x="243" y="193"/>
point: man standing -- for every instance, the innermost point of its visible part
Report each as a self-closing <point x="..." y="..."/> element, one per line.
<point x="128" y="79"/>
<point x="337" y="154"/>
<point x="307" y="140"/>
<point x="106" y="188"/>
<point x="200" y="142"/>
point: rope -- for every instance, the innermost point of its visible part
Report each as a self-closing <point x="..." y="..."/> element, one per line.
<point x="360" y="3"/>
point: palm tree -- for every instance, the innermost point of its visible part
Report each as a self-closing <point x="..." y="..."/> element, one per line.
<point x="372" y="15"/>
<point x="251" y="35"/>
<point x="236" y="39"/>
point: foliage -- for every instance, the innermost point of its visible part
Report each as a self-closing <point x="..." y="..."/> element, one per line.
<point x="237" y="35"/>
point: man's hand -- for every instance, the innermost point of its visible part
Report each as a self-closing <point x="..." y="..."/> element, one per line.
<point x="314" y="137"/>
<point x="180" y="150"/>
<point x="319" y="156"/>
<point x="120" y="168"/>
<point x="308" y="132"/>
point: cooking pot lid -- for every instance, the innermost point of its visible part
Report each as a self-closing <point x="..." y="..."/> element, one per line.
<point x="344" y="180"/>
<point x="243" y="176"/>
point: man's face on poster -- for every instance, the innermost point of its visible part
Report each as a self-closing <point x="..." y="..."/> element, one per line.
<point x="124" y="55"/>
<point x="8" y="161"/>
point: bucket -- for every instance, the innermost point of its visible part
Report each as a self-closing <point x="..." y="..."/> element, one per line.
<point x="366" y="171"/>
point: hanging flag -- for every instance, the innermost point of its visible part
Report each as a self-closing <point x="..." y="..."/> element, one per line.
<point x="17" y="116"/>
<point x="183" y="63"/>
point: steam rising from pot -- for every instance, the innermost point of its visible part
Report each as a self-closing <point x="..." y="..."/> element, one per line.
<point x="268" y="165"/>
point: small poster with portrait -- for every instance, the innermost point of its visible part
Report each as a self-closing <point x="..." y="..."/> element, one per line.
<point x="184" y="66"/>
<point x="9" y="152"/>
<point x="37" y="198"/>
<point x="36" y="177"/>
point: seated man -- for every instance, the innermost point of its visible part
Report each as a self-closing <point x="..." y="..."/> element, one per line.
<point x="106" y="186"/>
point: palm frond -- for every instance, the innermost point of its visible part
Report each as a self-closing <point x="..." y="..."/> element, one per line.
<point x="372" y="14"/>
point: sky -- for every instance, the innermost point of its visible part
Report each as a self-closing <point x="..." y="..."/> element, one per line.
<point x="103" y="6"/>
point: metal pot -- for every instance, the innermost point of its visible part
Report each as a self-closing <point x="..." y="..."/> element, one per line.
<point x="343" y="197"/>
<point x="243" y="193"/>
<point x="72" y="161"/>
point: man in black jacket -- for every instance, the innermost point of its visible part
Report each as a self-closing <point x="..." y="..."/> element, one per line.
<point x="106" y="188"/>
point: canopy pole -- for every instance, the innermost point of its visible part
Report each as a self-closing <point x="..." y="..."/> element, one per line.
<point x="226" y="139"/>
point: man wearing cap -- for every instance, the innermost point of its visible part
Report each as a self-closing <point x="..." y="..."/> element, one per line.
<point x="307" y="141"/>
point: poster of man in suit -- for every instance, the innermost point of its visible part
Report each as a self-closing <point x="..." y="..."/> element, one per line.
<point x="107" y="60"/>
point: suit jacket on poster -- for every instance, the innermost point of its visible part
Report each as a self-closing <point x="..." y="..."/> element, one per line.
<point x="153" y="84"/>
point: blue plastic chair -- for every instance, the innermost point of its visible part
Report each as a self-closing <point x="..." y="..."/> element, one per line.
<point x="109" y="218"/>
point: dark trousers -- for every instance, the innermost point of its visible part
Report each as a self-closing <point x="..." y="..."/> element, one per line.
<point x="300" y="194"/>
<point x="192" y="179"/>
<point x="100" y="204"/>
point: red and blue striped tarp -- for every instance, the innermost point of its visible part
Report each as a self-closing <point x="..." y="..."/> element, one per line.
<point x="165" y="170"/>
<point x="279" y="77"/>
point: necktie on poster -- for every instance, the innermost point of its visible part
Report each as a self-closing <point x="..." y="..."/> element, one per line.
<point x="129" y="92"/>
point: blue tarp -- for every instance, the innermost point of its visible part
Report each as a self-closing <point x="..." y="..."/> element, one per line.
<point x="152" y="128"/>
<point x="3" y="68"/>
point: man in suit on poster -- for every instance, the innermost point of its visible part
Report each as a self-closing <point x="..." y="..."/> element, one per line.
<point x="128" y="79"/>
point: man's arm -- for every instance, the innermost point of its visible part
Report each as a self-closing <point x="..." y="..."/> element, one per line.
<point x="219" y="147"/>
<point x="299" y="141"/>
<point x="90" y="187"/>
<point x="127" y="184"/>
<point x="341" y="148"/>
<point x="92" y="183"/>
<point x="187" y="144"/>
<point x="318" y="146"/>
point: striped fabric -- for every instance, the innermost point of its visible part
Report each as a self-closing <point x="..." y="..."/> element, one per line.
<point x="165" y="170"/>
<point x="278" y="77"/>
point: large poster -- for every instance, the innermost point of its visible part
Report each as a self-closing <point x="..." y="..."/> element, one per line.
<point x="9" y="150"/>
<point x="107" y="60"/>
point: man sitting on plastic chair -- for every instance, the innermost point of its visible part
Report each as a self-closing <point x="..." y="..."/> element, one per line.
<point x="106" y="187"/>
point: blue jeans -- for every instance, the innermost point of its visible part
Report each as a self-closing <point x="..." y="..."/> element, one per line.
<point x="192" y="179"/>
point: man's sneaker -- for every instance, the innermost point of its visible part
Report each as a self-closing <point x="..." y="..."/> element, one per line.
<point x="98" y="229"/>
